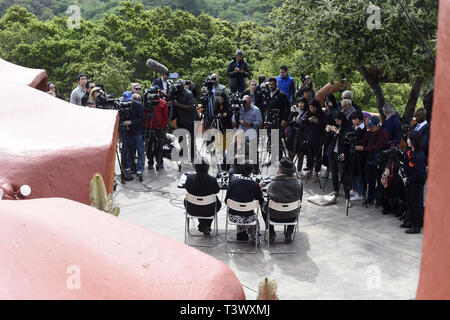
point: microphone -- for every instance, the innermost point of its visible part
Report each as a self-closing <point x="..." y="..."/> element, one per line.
<point x="156" y="66"/>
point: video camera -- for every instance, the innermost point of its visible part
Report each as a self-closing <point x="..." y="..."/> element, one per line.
<point x="151" y="98"/>
<point x="236" y="104"/>
<point x="209" y="83"/>
<point x="175" y="90"/>
<point x="273" y="116"/>
<point x="104" y="101"/>
<point x="351" y="138"/>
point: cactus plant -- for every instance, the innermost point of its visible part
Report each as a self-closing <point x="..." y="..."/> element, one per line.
<point x="99" y="198"/>
<point x="267" y="290"/>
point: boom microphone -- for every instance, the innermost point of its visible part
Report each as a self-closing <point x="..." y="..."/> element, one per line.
<point x="156" y="66"/>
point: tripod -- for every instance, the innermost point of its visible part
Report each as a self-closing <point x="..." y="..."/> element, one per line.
<point x="354" y="160"/>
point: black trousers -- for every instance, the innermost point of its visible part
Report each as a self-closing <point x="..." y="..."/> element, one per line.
<point x="337" y="169"/>
<point x="155" y="147"/>
<point x="314" y="159"/>
<point x="414" y="199"/>
<point x="264" y="209"/>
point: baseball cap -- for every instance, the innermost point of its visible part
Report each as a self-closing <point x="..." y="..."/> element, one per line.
<point x="127" y="96"/>
<point x="373" y="122"/>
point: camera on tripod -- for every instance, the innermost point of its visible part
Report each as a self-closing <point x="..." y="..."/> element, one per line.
<point x="273" y="116"/>
<point x="151" y="98"/>
<point x="236" y="104"/>
<point x="209" y="83"/>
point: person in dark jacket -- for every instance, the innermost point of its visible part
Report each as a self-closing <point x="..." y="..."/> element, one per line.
<point x="329" y="120"/>
<point x="393" y="196"/>
<point x="392" y="123"/>
<point x="284" y="188"/>
<point x="296" y="139"/>
<point x="415" y="168"/>
<point x="202" y="184"/>
<point x="134" y="135"/>
<point x="314" y="136"/>
<point x="423" y="127"/>
<point x="244" y="189"/>
<point x="347" y="94"/>
<point x="338" y="152"/>
<point x="372" y="144"/>
<point x="238" y="71"/>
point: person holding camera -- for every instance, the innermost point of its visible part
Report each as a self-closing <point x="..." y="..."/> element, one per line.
<point x="372" y="144"/>
<point x="415" y="169"/>
<point x="238" y="71"/>
<point x="393" y="192"/>
<point x="250" y="119"/>
<point x="220" y="105"/>
<point x="356" y="174"/>
<point x="157" y="115"/>
<point x="296" y="139"/>
<point x="337" y="152"/>
<point x="314" y="136"/>
<point x="134" y="135"/>
<point x="183" y="103"/>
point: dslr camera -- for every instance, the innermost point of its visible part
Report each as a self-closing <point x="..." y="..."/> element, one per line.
<point x="104" y="101"/>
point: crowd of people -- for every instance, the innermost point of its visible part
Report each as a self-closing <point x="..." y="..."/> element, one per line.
<point x="361" y="152"/>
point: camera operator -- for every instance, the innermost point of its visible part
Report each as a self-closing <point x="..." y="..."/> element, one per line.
<point x="337" y="152"/>
<point x="280" y="101"/>
<point x="423" y="127"/>
<point x="221" y="108"/>
<point x="157" y="115"/>
<point x="134" y="135"/>
<point x="392" y="123"/>
<point x="356" y="174"/>
<point x="372" y="144"/>
<point x="89" y="86"/>
<point x="393" y="192"/>
<point x="254" y="94"/>
<point x="183" y="103"/>
<point x="238" y="71"/>
<point x="314" y="136"/>
<point x="296" y="139"/>
<point x="415" y="169"/>
<point x="250" y="119"/>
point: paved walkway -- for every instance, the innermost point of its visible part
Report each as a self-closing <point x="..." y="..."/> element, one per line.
<point x="363" y="256"/>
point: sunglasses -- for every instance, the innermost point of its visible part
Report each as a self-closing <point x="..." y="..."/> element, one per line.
<point x="137" y="88"/>
<point x="91" y="87"/>
<point x="214" y="78"/>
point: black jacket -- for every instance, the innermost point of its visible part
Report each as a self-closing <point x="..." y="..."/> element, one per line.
<point x="415" y="166"/>
<point x="340" y="139"/>
<point x="425" y="133"/>
<point x="281" y="102"/>
<point x="315" y="132"/>
<point x="202" y="186"/>
<point x="237" y="79"/>
<point x="243" y="189"/>
<point x="284" y="189"/>
<point x="137" y="118"/>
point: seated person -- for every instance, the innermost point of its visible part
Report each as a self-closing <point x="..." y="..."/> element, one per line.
<point x="393" y="193"/>
<point x="284" y="188"/>
<point x="202" y="184"/>
<point x="244" y="189"/>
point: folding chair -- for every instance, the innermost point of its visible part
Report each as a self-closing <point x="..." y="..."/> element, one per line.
<point x="283" y="207"/>
<point x="200" y="201"/>
<point x="241" y="207"/>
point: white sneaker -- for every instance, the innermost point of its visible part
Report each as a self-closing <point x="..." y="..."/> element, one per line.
<point x="353" y="193"/>
<point x="356" y="197"/>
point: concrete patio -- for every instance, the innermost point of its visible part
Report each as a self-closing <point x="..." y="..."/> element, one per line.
<point x="363" y="256"/>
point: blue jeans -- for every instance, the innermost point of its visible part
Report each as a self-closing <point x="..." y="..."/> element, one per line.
<point x="135" y="143"/>
<point x="357" y="185"/>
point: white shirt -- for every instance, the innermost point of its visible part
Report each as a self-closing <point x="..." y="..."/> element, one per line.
<point x="420" y="125"/>
<point x="164" y="83"/>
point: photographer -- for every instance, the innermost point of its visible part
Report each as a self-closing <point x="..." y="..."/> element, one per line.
<point x="219" y="105"/>
<point x="134" y="134"/>
<point x="415" y="169"/>
<point x="157" y="115"/>
<point x="356" y="174"/>
<point x="393" y="192"/>
<point x="338" y="152"/>
<point x="250" y="119"/>
<point x="372" y="144"/>
<point x="296" y="139"/>
<point x="183" y="103"/>
<point x="278" y="100"/>
<point x="238" y="71"/>
<point x="314" y="136"/>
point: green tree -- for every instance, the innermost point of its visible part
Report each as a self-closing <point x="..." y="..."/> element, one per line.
<point x="337" y="31"/>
